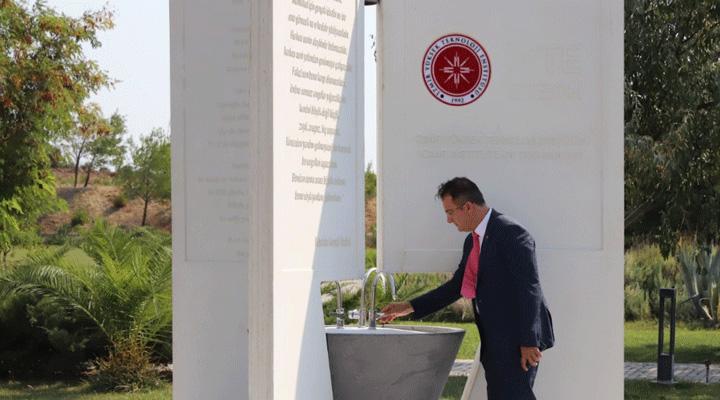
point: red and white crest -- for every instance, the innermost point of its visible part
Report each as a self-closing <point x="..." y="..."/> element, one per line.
<point x="456" y="69"/>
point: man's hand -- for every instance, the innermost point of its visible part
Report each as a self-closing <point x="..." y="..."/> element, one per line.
<point x="395" y="310"/>
<point x="529" y="355"/>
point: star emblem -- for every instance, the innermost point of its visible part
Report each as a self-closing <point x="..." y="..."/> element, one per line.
<point x="456" y="70"/>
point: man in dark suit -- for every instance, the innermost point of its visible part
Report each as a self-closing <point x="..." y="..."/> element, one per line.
<point x="498" y="273"/>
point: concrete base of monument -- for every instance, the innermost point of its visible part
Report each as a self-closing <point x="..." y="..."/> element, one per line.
<point x="402" y="362"/>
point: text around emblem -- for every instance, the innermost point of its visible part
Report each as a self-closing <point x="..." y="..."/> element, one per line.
<point x="456" y="69"/>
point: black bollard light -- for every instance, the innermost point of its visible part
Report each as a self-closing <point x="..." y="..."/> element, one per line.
<point x="707" y="371"/>
<point x="665" y="363"/>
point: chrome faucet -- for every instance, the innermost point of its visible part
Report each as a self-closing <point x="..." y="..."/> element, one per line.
<point x="339" y="311"/>
<point x="373" y="313"/>
<point x="362" y="315"/>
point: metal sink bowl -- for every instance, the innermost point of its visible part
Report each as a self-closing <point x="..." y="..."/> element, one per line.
<point x="394" y="363"/>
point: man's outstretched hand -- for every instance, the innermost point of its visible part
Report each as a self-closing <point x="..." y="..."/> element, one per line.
<point x="395" y="310"/>
<point x="529" y="355"/>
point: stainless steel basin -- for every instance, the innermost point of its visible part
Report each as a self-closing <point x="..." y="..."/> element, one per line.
<point x="394" y="363"/>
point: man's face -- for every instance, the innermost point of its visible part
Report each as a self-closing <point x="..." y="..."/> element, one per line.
<point x="456" y="214"/>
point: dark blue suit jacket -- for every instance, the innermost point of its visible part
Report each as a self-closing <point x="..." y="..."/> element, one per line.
<point x="510" y="306"/>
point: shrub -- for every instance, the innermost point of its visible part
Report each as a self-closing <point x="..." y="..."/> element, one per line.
<point x="81" y="217"/>
<point x="126" y="368"/>
<point x="39" y="337"/>
<point x="370" y="258"/>
<point x="120" y="201"/>
<point x="646" y="271"/>
<point x="701" y="273"/>
<point x="125" y="294"/>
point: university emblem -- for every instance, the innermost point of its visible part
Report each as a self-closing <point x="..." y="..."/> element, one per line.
<point x="456" y="69"/>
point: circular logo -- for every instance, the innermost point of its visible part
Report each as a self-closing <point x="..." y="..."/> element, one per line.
<point x="456" y="69"/>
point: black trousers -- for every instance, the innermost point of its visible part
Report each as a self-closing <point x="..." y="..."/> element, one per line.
<point x="506" y="380"/>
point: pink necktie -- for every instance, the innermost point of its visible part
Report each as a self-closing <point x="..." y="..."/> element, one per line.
<point x="471" y="269"/>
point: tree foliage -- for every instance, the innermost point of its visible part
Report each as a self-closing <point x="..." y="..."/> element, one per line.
<point x="44" y="79"/>
<point x="370" y="182"/>
<point x="97" y="140"/>
<point x="19" y="215"/>
<point x="149" y="175"/>
<point x="90" y="126"/>
<point x="107" y="149"/>
<point x="672" y="115"/>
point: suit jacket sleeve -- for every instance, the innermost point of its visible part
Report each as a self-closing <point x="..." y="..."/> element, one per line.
<point x="520" y="252"/>
<point x="444" y="294"/>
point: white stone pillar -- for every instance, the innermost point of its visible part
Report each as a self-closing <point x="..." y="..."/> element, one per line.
<point x="536" y="122"/>
<point x="267" y="190"/>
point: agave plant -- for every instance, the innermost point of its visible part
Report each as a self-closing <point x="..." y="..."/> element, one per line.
<point x="701" y="272"/>
<point x="125" y="292"/>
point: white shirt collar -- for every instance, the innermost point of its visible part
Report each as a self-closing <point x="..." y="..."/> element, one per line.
<point x="482" y="227"/>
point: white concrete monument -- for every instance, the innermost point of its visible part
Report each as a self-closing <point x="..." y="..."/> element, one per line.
<point x="267" y="190"/>
<point x="525" y="99"/>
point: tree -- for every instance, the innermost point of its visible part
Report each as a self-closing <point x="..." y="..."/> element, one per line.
<point x="107" y="149"/>
<point x="149" y="175"/>
<point x="44" y="79"/>
<point x="370" y="182"/>
<point x="672" y="109"/>
<point x="91" y="126"/>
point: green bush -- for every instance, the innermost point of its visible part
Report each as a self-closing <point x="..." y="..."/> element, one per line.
<point x="646" y="271"/>
<point x="124" y="295"/>
<point x="701" y="273"/>
<point x="41" y="338"/>
<point x="127" y="368"/>
<point x="370" y="258"/>
<point x="120" y="201"/>
<point x="80" y="217"/>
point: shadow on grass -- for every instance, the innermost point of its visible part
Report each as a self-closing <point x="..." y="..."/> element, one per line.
<point x="698" y="353"/>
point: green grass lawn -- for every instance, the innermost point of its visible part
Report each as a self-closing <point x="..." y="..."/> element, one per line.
<point x="636" y="390"/>
<point x="61" y="391"/>
<point x="453" y="388"/>
<point x="691" y="345"/>
<point x="81" y="391"/>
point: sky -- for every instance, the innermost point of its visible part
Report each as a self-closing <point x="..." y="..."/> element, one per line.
<point x="136" y="53"/>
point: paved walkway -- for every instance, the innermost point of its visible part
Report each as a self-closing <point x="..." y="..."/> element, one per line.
<point x="640" y="371"/>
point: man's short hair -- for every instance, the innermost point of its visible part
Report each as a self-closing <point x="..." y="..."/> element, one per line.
<point x="461" y="190"/>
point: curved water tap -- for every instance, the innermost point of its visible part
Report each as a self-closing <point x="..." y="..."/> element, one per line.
<point x="384" y="276"/>
<point x="362" y="319"/>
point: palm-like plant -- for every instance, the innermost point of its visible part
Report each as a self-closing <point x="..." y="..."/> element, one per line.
<point x="125" y="293"/>
<point x="701" y="270"/>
